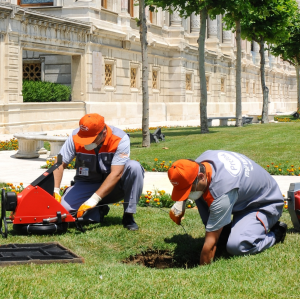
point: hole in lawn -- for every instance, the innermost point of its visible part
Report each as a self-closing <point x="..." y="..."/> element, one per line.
<point x="160" y="259"/>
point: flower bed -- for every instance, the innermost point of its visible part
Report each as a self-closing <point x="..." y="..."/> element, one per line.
<point x="9" y="145"/>
<point x="158" y="199"/>
<point x="155" y="199"/>
<point x="50" y="162"/>
<point x="9" y="187"/>
<point x="283" y="169"/>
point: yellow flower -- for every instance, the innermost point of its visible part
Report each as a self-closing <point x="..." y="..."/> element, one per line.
<point x="155" y="159"/>
<point x="279" y="169"/>
<point x="276" y="166"/>
<point x="158" y="203"/>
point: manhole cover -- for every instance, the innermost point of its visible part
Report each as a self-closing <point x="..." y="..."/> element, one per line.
<point x="38" y="253"/>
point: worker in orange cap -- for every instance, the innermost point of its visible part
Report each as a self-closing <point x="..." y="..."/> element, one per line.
<point x="224" y="184"/>
<point x="104" y="172"/>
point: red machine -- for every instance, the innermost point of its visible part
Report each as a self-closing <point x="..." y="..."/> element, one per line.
<point x="294" y="204"/>
<point x="35" y="210"/>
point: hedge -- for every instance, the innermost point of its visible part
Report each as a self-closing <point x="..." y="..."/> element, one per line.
<point x="38" y="91"/>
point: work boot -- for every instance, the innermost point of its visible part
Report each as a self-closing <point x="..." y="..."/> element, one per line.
<point x="128" y="222"/>
<point x="279" y="229"/>
<point x="103" y="210"/>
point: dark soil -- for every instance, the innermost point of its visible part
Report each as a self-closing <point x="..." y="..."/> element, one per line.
<point x="160" y="259"/>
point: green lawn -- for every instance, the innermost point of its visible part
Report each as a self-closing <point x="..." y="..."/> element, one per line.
<point x="271" y="274"/>
<point x="263" y="143"/>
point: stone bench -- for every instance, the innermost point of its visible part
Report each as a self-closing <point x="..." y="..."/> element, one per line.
<point x="30" y="144"/>
<point x="223" y="120"/>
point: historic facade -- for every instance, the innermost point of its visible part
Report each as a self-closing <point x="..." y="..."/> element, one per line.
<point x="94" y="46"/>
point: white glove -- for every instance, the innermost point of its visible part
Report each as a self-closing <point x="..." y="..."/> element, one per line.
<point x="89" y="204"/>
<point x="177" y="211"/>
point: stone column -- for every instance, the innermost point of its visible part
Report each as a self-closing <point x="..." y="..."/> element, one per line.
<point x="175" y="19"/>
<point x="212" y="42"/>
<point x="227" y="37"/>
<point x="195" y="23"/>
<point x="212" y="28"/>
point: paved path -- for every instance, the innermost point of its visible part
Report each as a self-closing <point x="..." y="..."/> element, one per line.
<point x="25" y="171"/>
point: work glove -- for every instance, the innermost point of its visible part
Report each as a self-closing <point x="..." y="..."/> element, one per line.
<point x="177" y="211"/>
<point x="89" y="204"/>
<point x="56" y="194"/>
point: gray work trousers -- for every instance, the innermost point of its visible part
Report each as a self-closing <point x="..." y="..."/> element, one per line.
<point x="129" y="188"/>
<point x="250" y="228"/>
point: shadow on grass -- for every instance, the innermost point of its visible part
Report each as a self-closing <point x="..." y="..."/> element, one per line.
<point x="188" y="249"/>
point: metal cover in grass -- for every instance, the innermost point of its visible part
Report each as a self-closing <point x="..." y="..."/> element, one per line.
<point x="37" y="253"/>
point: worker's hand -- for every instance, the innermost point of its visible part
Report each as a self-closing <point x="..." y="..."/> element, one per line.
<point x="89" y="204"/>
<point x="56" y="194"/>
<point x="177" y="211"/>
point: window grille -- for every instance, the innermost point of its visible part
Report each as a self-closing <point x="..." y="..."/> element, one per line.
<point x="32" y="71"/>
<point x="222" y="84"/>
<point x="188" y="81"/>
<point x="154" y="80"/>
<point x="108" y="75"/>
<point x="133" y="78"/>
<point x="207" y="83"/>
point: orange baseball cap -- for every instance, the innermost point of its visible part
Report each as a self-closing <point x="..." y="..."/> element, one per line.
<point x="90" y="126"/>
<point x="182" y="174"/>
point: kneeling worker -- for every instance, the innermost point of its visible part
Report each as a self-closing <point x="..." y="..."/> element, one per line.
<point x="224" y="183"/>
<point x="104" y="172"/>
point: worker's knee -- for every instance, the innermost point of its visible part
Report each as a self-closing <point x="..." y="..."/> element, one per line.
<point x="135" y="168"/>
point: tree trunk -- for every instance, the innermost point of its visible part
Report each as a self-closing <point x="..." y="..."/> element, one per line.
<point x="203" y="90"/>
<point x="238" y="72"/>
<point x="265" y="89"/>
<point x="145" y="74"/>
<point x="297" y="67"/>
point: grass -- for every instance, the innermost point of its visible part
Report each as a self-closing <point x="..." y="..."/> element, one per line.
<point x="273" y="273"/>
<point x="263" y="143"/>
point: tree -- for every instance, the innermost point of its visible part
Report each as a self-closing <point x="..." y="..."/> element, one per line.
<point x="185" y="9"/>
<point x="145" y="73"/>
<point x="289" y="49"/>
<point x="234" y="12"/>
<point x="271" y="28"/>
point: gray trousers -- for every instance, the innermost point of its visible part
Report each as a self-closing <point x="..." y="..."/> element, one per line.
<point x="250" y="229"/>
<point x="129" y="188"/>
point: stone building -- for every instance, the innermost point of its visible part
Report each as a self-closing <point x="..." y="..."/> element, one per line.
<point x="94" y="47"/>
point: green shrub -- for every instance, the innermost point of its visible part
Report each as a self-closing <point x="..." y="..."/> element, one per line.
<point x="38" y="91"/>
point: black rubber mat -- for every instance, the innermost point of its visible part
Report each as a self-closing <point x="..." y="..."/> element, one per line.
<point x="38" y="253"/>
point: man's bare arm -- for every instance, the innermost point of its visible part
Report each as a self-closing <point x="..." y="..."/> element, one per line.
<point x="209" y="247"/>
<point x="58" y="174"/>
<point x="111" y="180"/>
